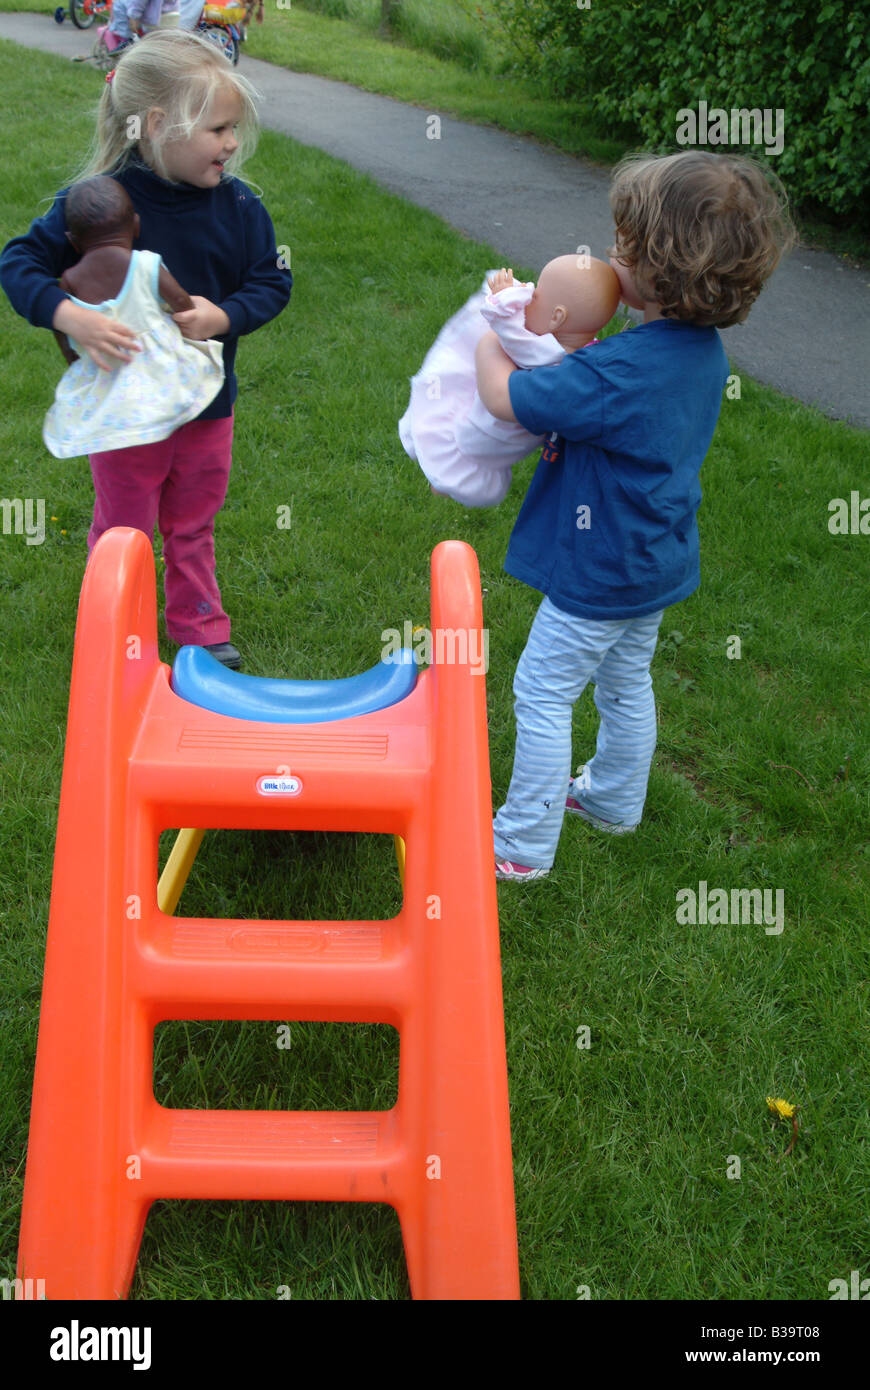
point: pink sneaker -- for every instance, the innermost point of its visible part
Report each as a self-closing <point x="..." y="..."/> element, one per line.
<point x="506" y="871"/>
<point x="112" y="41"/>
<point x="610" y="827"/>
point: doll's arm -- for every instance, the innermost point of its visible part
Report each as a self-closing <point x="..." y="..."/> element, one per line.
<point x="61" y="339"/>
<point x="171" y="293"/>
<point x="203" y="320"/>
<point x="196" y="317"/>
<point x="265" y="286"/>
<point x="64" y="344"/>
<point x="504" y="309"/>
<point x="500" y="280"/>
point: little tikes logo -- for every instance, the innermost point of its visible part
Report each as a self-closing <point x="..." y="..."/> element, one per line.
<point x="277" y="785"/>
<point x="75" y="1343"/>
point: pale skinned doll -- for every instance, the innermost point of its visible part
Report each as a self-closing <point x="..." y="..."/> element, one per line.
<point x="465" y="452"/>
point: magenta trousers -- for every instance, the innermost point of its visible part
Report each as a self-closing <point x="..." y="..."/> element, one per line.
<point x="180" y="483"/>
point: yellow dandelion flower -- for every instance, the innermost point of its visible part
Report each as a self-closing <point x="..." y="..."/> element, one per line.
<point x="55" y="518"/>
<point x="781" y="1107"/>
<point x="786" y="1111"/>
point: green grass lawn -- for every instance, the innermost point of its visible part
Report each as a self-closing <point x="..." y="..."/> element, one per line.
<point x="760" y="781"/>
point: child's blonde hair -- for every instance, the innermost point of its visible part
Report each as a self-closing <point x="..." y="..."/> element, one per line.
<point x="181" y="73"/>
<point x="700" y="232"/>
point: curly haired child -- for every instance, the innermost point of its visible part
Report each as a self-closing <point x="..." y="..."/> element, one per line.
<point x="608" y="529"/>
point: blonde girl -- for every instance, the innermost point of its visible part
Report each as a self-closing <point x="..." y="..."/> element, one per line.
<point x="174" y="125"/>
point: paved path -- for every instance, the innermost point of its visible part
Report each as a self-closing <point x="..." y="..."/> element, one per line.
<point x="808" y="335"/>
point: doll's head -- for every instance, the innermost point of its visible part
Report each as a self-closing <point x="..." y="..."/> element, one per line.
<point x="575" y="296"/>
<point x="98" y="212"/>
<point x="697" y="233"/>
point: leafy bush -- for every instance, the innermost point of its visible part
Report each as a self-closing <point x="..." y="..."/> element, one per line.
<point x="639" y="65"/>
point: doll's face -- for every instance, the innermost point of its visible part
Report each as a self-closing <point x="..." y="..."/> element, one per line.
<point x="539" y="310"/>
<point x="550" y="292"/>
<point x="574" y="296"/>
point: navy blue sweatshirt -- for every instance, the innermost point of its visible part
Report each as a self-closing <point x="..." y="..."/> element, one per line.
<point x="217" y="242"/>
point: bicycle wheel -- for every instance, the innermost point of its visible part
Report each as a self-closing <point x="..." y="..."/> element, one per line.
<point x="224" y="40"/>
<point x="82" y="13"/>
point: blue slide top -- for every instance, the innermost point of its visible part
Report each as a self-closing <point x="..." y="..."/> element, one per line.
<point x="200" y="679"/>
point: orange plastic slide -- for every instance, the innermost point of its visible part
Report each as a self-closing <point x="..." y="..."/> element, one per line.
<point x="140" y="760"/>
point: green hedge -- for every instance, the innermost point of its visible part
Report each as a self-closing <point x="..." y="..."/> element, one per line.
<point x="641" y="63"/>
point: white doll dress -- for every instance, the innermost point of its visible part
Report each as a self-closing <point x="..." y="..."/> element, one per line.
<point x="168" y="383"/>
<point x="465" y="451"/>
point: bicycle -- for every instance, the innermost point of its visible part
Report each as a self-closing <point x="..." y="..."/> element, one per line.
<point x="84" y="12"/>
<point x="221" y="24"/>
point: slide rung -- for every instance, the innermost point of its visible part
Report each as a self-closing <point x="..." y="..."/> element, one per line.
<point x="279" y="1155"/>
<point x="268" y="968"/>
<point x="240" y="940"/>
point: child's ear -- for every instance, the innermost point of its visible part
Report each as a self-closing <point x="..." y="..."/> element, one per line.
<point x="154" y="121"/>
<point x="73" y="244"/>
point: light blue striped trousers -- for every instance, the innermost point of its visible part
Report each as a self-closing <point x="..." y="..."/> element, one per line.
<point x="562" y="655"/>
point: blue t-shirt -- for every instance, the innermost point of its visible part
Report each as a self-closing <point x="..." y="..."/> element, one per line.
<point x="607" y="529"/>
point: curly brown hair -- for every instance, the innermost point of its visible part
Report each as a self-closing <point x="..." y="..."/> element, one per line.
<point x="700" y="232"/>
